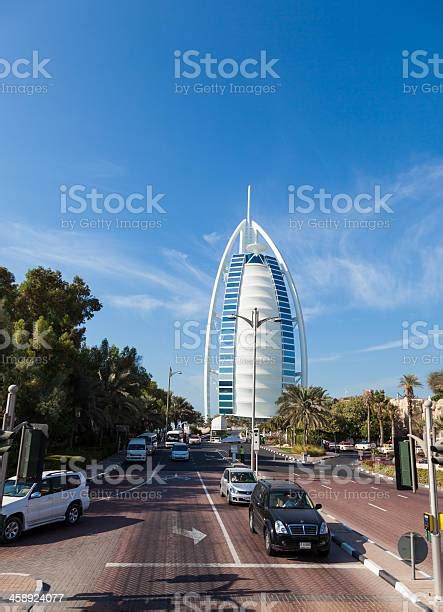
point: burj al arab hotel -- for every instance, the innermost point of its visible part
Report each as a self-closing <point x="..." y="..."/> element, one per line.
<point x="252" y="275"/>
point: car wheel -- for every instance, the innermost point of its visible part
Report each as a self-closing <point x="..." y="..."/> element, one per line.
<point x="221" y="492"/>
<point x="268" y="543"/>
<point x="251" y="523"/>
<point x="12" y="530"/>
<point x="324" y="554"/>
<point x="229" y="499"/>
<point x="73" y="514"/>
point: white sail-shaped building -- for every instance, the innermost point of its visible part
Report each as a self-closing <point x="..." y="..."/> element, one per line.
<point x="252" y="274"/>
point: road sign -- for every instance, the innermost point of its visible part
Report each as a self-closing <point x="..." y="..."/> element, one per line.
<point x="420" y="550"/>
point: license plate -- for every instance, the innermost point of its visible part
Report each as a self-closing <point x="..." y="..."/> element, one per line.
<point x="305" y="545"/>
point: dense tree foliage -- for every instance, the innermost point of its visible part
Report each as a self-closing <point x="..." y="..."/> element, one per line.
<point x="82" y="392"/>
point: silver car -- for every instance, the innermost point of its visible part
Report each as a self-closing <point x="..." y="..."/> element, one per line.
<point x="237" y="484"/>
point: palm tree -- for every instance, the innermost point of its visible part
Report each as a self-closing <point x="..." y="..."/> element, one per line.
<point x="407" y="383"/>
<point x="304" y="408"/>
<point x="380" y="407"/>
<point x="392" y="412"/>
<point x="435" y="381"/>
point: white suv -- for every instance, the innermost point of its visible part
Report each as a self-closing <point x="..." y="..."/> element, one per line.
<point x="60" y="496"/>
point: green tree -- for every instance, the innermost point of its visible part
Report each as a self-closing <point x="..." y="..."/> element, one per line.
<point x="305" y="408"/>
<point x="435" y="381"/>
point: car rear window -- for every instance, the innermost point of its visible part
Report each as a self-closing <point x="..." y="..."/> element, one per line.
<point x="136" y="447"/>
<point x="180" y="447"/>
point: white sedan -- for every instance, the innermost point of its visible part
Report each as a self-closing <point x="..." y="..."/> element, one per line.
<point x="364" y="446"/>
<point x="237" y="484"/>
<point x="180" y="452"/>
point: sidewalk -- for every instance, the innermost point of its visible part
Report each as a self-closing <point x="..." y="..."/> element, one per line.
<point x="12" y="583"/>
<point x="385" y="564"/>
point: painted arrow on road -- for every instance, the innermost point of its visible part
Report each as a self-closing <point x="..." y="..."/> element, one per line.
<point x="196" y="535"/>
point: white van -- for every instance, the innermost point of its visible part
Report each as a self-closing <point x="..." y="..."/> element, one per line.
<point x="151" y="441"/>
<point x="172" y="437"/>
<point x="136" y="450"/>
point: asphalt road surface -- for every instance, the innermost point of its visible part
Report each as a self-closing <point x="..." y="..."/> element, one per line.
<point x="175" y="544"/>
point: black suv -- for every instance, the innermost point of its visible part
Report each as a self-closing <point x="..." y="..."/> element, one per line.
<point x="287" y="518"/>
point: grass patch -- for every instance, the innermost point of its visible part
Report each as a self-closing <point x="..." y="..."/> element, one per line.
<point x="81" y="456"/>
<point x="299" y="449"/>
<point x="389" y="470"/>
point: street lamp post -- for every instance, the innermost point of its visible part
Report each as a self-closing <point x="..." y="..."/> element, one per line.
<point x="255" y="322"/>
<point x="8" y="425"/>
<point x="433" y="499"/>
<point x="170" y="375"/>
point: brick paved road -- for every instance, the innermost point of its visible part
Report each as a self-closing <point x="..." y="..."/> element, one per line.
<point x="126" y="554"/>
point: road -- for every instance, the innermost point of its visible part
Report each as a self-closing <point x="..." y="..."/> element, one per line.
<point x="176" y="545"/>
<point x="371" y="505"/>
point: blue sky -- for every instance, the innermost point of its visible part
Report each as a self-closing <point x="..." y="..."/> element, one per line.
<point x="339" y="119"/>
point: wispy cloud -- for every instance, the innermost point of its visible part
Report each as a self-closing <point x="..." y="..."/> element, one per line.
<point x="175" y="289"/>
<point x="212" y="239"/>
<point x="386" y="346"/>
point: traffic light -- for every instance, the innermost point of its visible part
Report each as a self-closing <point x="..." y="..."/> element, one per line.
<point x="32" y="452"/>
<point x="6" y="440"/>
<point x="438" y="449"/>
<point x="256" y="439"/>
<point x="403" y="463"/>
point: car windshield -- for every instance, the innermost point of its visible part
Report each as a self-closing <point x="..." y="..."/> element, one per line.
<point x="243" y="477"/>
<point x="19" y="489"/>
<point x="290" y="499"/>
<point x="136" y="447"/>
<point x="180" y="447"/>
<point x="172" y="437"/>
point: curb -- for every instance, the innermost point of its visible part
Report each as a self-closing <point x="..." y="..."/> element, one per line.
<point x="38" y="590"/>
<point x="381" y="573"/>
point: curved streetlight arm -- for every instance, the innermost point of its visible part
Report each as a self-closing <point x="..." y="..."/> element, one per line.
<point x="275" y="319"/>
<point x="242" y="317"/>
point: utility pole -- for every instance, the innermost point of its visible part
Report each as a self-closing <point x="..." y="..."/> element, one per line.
<point x="8" y="425"/>
<point x="254" y="377"/>
<point x="433" y="502"/>
<point x="170" y="375"/>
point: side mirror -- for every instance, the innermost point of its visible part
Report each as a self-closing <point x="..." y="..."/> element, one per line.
<point x="318" y="506"/>
<point x="35" y="495"/>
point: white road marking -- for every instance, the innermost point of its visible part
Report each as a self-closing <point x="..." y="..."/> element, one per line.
<point x="353" y="565"/>
<point x="220" y="522"/>
<point x="378" y="507"/>
<point x="376" y="488"/>
<point x="326" y="487"/>
<point x="195" y="535"/>
<point x="404" y="496"/>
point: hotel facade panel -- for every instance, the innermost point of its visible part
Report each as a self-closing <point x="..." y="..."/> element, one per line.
<point x="247" y="279"/>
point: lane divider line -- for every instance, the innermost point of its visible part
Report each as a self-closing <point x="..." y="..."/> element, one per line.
<point x="378" y="507"/>
<point x="220" y="522"/>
